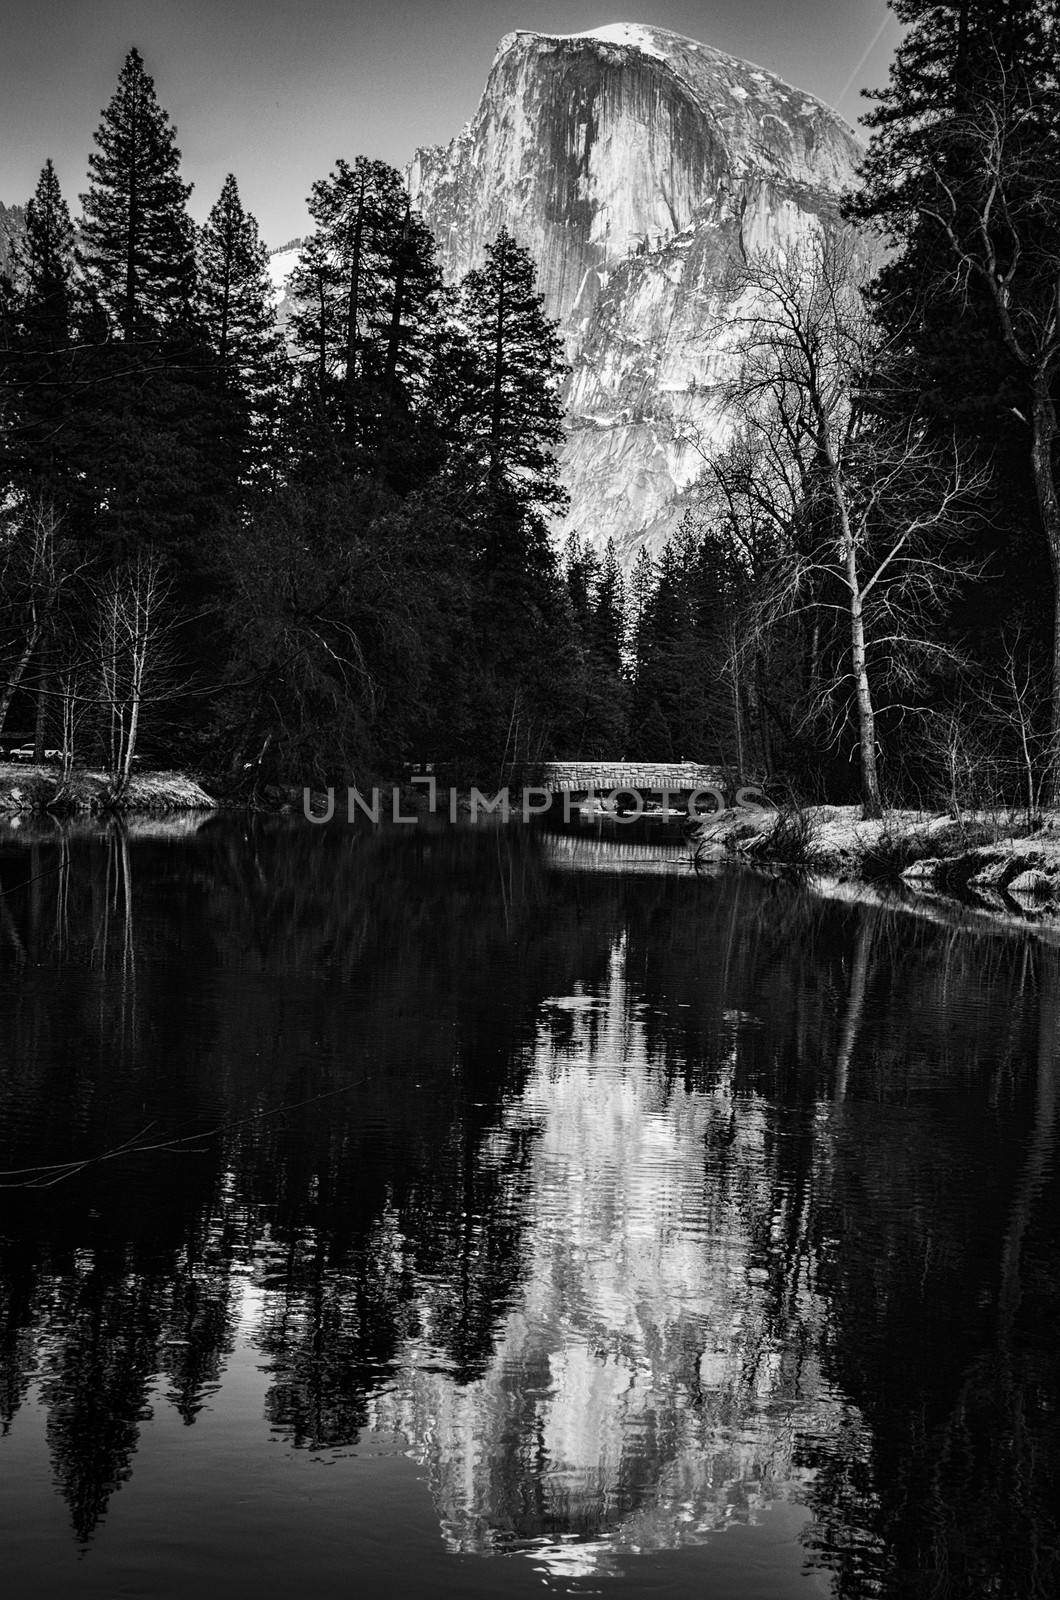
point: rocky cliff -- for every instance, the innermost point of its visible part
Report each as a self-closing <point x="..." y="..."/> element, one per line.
<point x="637" y="167"/>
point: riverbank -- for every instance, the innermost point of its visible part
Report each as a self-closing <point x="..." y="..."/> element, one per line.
<point x="25" y="787"/>
<point x="998" y="861"/>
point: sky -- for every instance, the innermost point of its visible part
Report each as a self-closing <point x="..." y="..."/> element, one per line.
<point x="276" y="90"/>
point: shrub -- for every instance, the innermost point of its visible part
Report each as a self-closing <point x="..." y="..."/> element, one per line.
<point x="884" y="858"/>
<point x="792" y="839"/>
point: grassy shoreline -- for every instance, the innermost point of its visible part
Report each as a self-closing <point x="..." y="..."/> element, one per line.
<point x="1001" y="861"/>
<point x="33" y="789"/>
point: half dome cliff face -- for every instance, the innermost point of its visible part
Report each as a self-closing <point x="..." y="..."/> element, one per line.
<point x="636" y="166"/>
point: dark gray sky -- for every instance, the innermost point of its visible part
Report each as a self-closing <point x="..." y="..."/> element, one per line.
<point x="275" y="90"/>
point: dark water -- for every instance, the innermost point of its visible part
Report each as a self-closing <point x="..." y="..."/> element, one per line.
<point x="473" y="1213"/>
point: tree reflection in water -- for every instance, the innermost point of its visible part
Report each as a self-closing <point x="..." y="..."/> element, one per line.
<point x="630" y="1202"/>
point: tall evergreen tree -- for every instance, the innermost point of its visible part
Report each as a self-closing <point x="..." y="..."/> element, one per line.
<point x="508" y="421"/>
<point x="137" y="238"/>
<point x="609" y="613"/>
<point x="581" y="573"/>
<point x="685" y="700"/>
<point x="314" y="288"/>
<point x="639" y="590"/>
<point x="923" y="172"/>
<point x="596" y="593"/>
<point x="516" y="421"/>
<point x="239" y="323"/>
<point x="46" y="262"/>
<point x="493" y="382"/>
<point x="367" y="289"/>
<point x="152" y="450"/>
<point x="961" y="177"/>
<point x="38" y="366"/>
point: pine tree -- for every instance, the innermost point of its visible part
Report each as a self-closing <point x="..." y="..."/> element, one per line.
<point x="961" y="177"/>
<point x="677" y="657"/>
<point x="368" y="292"/>
<point x="516" y="420"/>
<point x="581" y="573"/>
<point x="138" y="246"/>
<point x="239" y="322"/>
<point x="314" y="287"/>
<point x="154" y="464"/>
<point x="38" y="368"/>
<point x="641" y="587"/>
<point x="609" y="613"/>
<point x="596" y="595"/>
<point x="46" y="264"/>
<point x="922" y="175"/>
<point x="506" y="420"/>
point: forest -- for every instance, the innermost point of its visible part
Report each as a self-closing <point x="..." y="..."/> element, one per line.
<point x="319" y="552"/>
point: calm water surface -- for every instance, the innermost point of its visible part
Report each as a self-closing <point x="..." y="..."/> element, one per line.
<point x="414" y="1213"/>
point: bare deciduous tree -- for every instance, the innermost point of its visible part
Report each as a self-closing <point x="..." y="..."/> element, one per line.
<point x="1012" y="705"/>
<point x="133" y="653"/>
<point x="863" y="517"/>
<point x="36" y="566"/>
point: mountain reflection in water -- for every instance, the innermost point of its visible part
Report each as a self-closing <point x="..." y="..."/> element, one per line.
<point x="628" y="1206"/>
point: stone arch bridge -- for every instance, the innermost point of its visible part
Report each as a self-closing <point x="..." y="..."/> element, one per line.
<point x="679" y="777"/>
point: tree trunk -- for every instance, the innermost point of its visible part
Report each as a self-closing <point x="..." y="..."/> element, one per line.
<point x="737" y="715"/>
<point x="497" y="409"/>
<point x="41" y="725"/>
<point x="10" y="688"/>
<point x="393" y="344"/>
<point x="1044" y="436"/>
<point x="763" y="722"/>
<point x="143" y="600"/>
<point x="871" y="804"/>
<point x="226" y="302"/>
<point x="322" y="337"/>
<point x="68" y="703"/>
<point x="353" y="311"/>
<point x="129" y="313"/>
<point x="130" y="743"/>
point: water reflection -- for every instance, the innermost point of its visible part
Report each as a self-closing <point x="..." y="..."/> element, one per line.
<point x="629" y="1204"/>
<point x="642" y="1392"/>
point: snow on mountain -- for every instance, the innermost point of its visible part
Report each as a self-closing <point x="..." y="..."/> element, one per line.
<point x="636" y="166"/>
<point x="633" y="34"/>
<point x="628" y="33"/>
<point x="280" y="266"/>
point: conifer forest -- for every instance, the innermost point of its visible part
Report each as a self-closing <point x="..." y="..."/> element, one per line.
<point x="321" y="549"/>
<point x="431" y="1166"/>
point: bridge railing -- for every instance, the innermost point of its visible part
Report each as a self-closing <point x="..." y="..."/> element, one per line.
<point x="603" y="776"/>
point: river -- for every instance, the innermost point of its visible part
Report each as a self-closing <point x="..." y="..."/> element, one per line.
<point x="423" y="1211"/>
